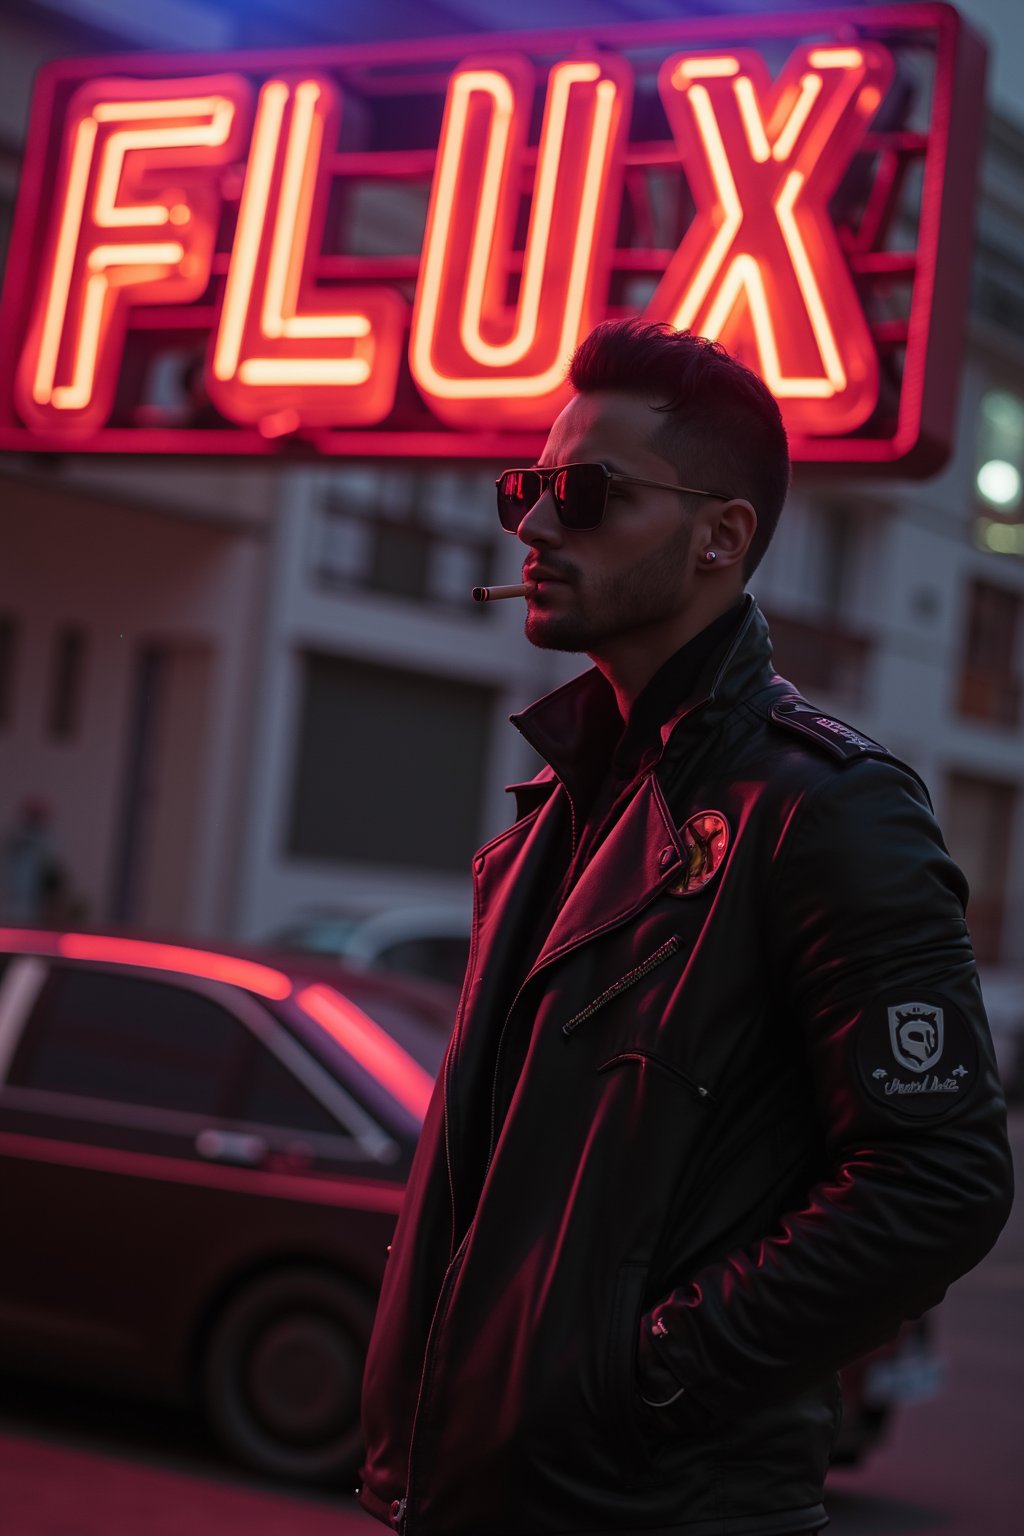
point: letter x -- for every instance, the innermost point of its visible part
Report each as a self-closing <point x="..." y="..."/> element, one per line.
<point x="761" y="267"/>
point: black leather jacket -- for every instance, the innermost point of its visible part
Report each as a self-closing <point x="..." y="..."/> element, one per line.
<point x="757" y="1126"/>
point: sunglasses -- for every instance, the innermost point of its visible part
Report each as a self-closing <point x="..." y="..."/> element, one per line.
<point x="579" y="492"/>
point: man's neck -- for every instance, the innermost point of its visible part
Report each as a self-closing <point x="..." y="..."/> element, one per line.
<point x="629" y="661"/>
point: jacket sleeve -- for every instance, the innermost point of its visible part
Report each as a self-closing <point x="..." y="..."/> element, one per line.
<point x="873" y="964"/>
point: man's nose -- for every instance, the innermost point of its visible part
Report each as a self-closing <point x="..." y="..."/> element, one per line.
<point x="541" y="525"/>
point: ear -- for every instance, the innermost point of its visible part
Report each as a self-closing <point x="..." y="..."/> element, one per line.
<point x="728" y="528"/>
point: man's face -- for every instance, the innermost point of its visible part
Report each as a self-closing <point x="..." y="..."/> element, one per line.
<point x="633" y="572"/>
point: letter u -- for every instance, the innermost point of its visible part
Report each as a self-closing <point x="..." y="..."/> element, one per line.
<point x="476" y="335"/>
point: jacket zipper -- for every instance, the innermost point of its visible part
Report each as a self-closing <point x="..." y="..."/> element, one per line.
<point x="449" y="1066"/>
<point x="665" y="952"/>
<point x="494" y="1083"/>
<point x="497" y="1071"/>
<point x="448" y="1165"/>
<point x="448" y="1069"/>
<point x="401" y="1506"/>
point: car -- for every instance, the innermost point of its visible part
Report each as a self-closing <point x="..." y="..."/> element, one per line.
<point x="205" y="1151"/>
<point x="430" y="942"/>
<point x="906" y="1369"/>
<point x="204" y="1155"/>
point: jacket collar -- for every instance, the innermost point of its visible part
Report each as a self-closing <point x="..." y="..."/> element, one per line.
<point x="565" y="726"/>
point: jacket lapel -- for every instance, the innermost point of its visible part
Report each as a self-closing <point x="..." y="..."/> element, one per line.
<point x="641" y="852"/>
<point x="513" y="879"/>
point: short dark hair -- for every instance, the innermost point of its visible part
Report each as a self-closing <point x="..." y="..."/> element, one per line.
<point x="723" y="427"/>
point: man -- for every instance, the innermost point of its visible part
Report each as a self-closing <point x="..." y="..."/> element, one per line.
<point x="720" y="1108"/>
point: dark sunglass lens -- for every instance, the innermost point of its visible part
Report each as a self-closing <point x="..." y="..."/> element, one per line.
<point x="579" y="491"/>
<point x="518" y="491"/>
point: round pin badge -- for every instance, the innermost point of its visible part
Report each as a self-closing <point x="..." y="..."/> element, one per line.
<point x="705" y="839"/>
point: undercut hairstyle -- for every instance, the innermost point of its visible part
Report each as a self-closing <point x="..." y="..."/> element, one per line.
<point x="722" y="427"/>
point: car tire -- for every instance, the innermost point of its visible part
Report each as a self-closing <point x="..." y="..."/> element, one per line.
<point x="281" y="1374"/>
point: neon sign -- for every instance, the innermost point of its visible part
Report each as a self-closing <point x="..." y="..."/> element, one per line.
<point x="171" y="218"/>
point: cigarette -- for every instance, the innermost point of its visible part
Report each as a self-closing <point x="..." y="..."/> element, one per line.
<point x="491" y="594"/>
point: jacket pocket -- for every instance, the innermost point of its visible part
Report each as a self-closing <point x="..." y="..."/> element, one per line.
<point x="661" y="954"/>
<point x="639" y="1055"/>
<point x="627" y="1310"/>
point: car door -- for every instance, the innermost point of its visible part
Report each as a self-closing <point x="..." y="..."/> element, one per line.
<point x="155" y="1143"/>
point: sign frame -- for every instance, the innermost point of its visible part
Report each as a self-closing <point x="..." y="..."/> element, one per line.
<point x="921" y="438"/>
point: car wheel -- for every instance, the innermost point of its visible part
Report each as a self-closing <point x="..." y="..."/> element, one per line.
<point x="282" y="1372"/>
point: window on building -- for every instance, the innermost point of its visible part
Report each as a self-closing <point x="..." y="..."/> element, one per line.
<point x="990" y="687"/>
<point x="8" y="657"/>
<point x="427" y="537"/>
<point x="837" y="530"/>
<point x="978" y="825"/>
<point x="67" y="682"/>
<point x="820" y="657"/>
<point x="999" y="473"/>
<point x="101" y="1035"/>
<point x="997" y="294"/>
<point x="389" y="766"/>
<point x="823" y="649"/>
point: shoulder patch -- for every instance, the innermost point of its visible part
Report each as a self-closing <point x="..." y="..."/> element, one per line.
<point x="834" y="736"/>
<point x="916" y="1053"/>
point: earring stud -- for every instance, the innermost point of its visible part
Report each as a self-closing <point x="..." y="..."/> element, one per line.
<point x="710" y="556"/>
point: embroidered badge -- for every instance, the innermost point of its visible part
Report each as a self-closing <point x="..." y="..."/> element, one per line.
<point x="917" y="1057"/>
<point x="835" y="735"/>
<point x="705" y="838"/>
<point x="915" y="1031"/>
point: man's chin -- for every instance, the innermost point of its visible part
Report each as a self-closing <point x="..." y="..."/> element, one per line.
<point x="555" y="632"/>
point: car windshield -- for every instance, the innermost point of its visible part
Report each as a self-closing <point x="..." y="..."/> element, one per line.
<point x="420" y="1025"/>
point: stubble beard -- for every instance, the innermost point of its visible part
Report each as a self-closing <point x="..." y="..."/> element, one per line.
<point x="645" y="593"/>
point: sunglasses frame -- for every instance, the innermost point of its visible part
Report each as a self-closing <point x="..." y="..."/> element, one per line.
<point x="611" y="477"/>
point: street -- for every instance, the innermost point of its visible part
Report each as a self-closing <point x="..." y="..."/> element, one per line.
<point x="79" y="1466"/>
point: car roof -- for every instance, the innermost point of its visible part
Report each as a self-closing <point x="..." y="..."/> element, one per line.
<point x="274" y="974"/>
<point x="332" y="1000"/>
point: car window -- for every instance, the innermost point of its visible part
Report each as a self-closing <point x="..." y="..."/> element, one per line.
<point x="123" y="1038"/>
<point x="272" y="1096"/>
